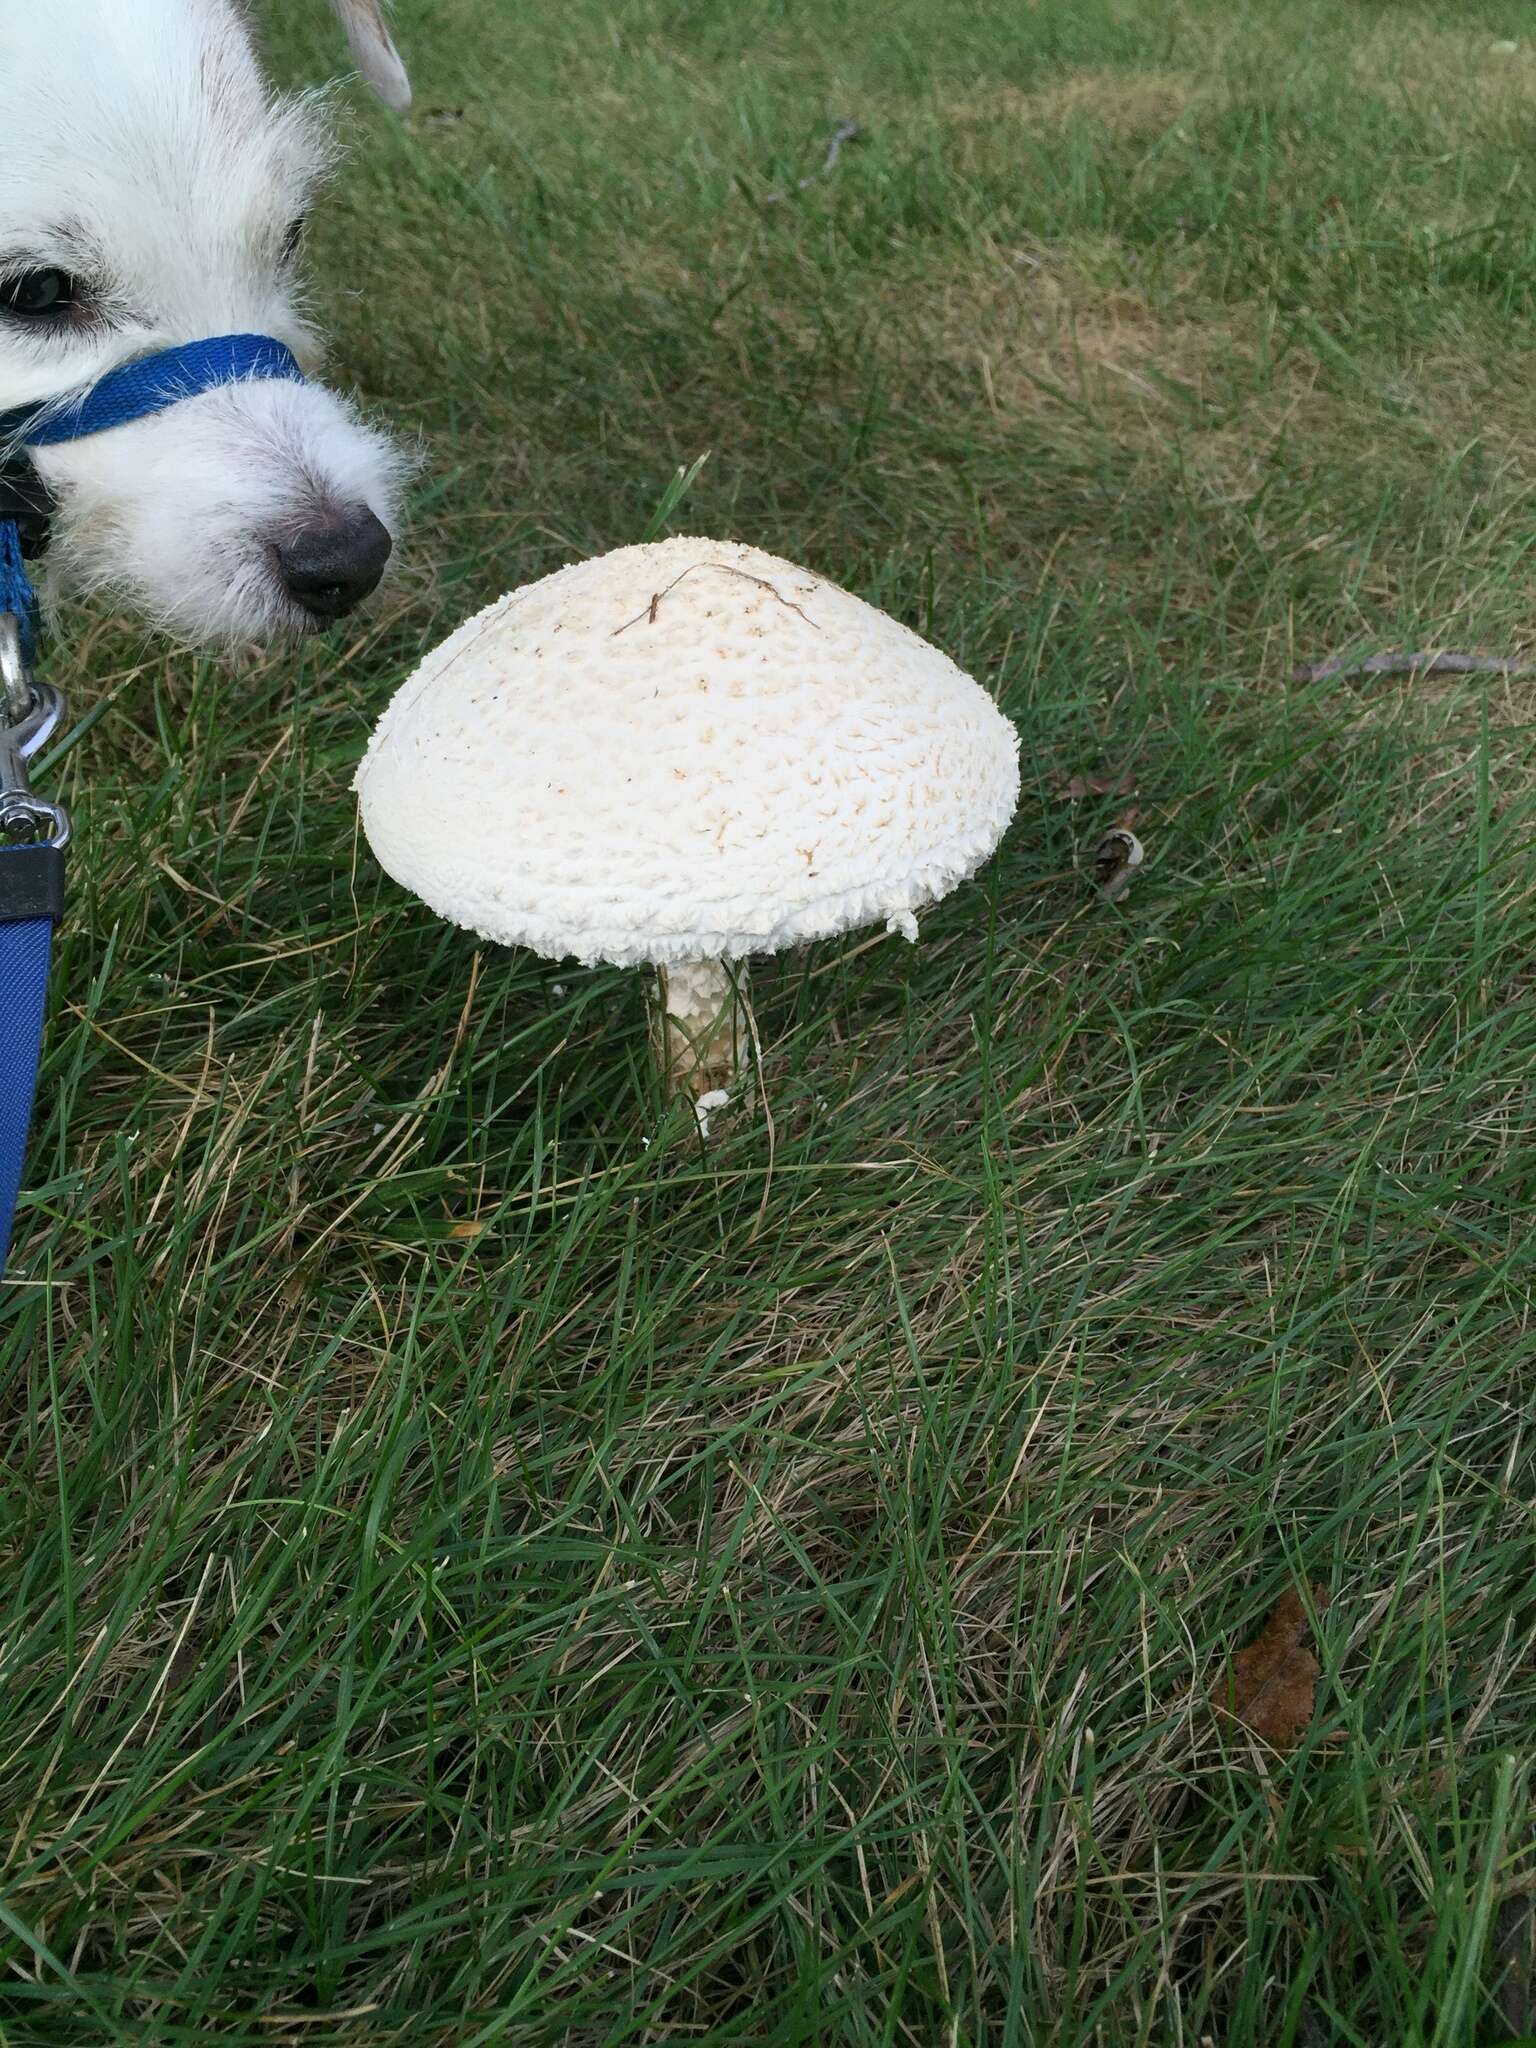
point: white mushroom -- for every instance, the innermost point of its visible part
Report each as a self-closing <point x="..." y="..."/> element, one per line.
<point x="683" y="754"/>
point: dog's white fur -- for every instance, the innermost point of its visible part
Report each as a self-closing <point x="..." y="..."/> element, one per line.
<point x="143" y="153"/>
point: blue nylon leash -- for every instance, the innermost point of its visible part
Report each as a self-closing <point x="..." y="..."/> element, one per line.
<point x="33" y="832"/>
<point x="135" y="390"/>
<point x="16" y="593"/>
<point x="33" y="835"/>
<point x="26" y="950"/>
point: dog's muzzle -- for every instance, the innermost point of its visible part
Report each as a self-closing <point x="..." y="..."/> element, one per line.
<point x="149" y="384"/>
<point x="325" y="568"/>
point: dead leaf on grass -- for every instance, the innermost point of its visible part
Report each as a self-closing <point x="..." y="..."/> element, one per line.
<point x="1271" y="1685"/>
<point x="1098" y="785"/>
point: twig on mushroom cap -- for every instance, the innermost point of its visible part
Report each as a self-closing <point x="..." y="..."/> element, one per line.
<point x="729" y="569"/>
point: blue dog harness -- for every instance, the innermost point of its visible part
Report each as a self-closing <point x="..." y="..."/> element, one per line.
<point x="34" y="832"/>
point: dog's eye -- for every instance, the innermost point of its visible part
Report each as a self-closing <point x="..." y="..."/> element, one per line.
<point x="36" y="293"/>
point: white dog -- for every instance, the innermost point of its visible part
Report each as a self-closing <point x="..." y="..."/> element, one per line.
<point x="152" y="192"/>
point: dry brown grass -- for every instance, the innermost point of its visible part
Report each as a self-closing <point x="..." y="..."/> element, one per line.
<point x="1486" y="76"/>
<point x="984" y="123"/>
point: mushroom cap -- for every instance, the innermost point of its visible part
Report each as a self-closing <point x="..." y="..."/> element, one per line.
<point x="680" y="751"/>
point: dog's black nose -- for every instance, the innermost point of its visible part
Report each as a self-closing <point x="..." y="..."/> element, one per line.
<point x="330" y="566"/>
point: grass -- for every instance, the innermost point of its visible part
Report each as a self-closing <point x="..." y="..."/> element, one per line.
<point x="480" y="1568"/>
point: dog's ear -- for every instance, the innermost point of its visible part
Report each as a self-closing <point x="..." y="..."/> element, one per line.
<point x="374" y="52"/>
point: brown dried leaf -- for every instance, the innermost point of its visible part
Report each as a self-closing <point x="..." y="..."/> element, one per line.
<point x="1098" y="785"/>
<point x="1271" y="1685"/>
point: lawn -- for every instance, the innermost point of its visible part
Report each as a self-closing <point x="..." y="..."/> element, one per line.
<point x="480" y="1567"/>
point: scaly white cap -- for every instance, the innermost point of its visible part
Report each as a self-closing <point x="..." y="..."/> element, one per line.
<point x="680" y="752"/>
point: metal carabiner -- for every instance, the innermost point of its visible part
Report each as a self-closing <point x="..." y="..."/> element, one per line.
<point x="15" y="676"/>
<point x="32" y="712"/>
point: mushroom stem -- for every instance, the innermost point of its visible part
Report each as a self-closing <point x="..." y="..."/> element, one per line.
<point x="698" y="1029"/>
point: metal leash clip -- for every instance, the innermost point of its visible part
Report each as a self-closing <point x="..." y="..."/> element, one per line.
<point x="30" y="713"/>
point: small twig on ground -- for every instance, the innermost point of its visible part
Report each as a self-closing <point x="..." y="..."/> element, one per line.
<point x="1427" y="663"/>
<point x="845" y="131"/>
